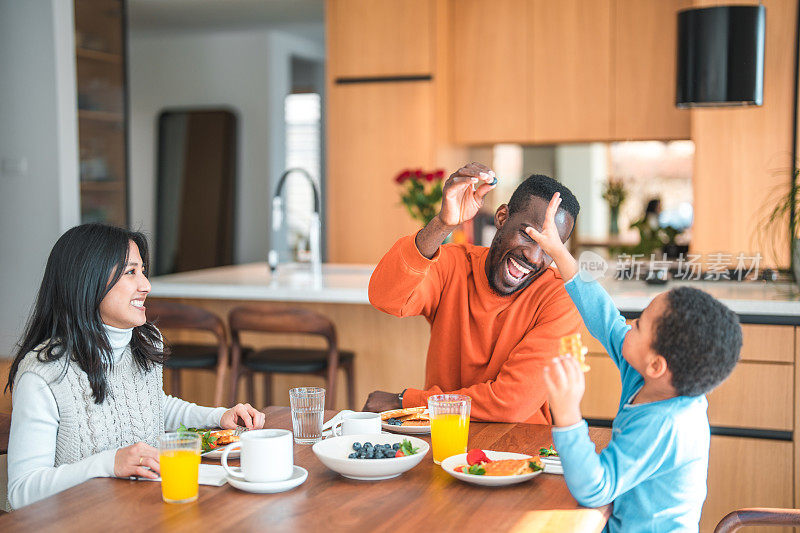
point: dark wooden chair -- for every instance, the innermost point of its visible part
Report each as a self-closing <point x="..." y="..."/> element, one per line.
<point x="5" y="431"/>
<point x="175" y="316"/>
<point x="287" y="360"/>
<point x="758" y="516"/>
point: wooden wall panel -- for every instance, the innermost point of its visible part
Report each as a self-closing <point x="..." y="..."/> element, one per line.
<point x="375" y="130"/>
<point x="490" y="59"/>
<point x="569" y="73"/>
<point x="743" y="155"/>
<point x="380" y="37"/>
<point x="645" y="44"/>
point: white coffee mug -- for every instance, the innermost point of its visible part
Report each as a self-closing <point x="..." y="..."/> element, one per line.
<point x="354" y="423"/>
<point x="267" y="455"/>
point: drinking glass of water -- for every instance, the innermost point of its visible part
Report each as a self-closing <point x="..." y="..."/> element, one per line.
<point x="308" y="405"/>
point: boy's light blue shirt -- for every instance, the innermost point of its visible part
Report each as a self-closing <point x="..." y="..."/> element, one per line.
<point x="655" y="467"/>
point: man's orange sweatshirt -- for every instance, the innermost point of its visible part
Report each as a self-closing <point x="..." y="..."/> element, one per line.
<point x="492" y="348"/>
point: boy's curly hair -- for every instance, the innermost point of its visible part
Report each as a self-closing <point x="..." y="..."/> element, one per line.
<point x="700" y="338"/>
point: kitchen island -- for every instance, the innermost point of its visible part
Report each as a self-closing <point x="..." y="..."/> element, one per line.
<point x="753" y="414"/>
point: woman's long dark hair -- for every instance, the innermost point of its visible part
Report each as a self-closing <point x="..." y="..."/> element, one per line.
<point x="66" y="318"/>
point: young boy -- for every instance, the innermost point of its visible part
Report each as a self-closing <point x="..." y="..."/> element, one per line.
<point x="683" y="345"/>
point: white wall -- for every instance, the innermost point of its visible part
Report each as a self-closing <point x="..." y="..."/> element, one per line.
<point x="584" y="169"/>
<point x="38" y="130"/>
<point x="246" y="71"/>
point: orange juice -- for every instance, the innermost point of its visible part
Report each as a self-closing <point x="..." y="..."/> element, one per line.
<point x="179" y="470"/>
<point x="448" y="435"/>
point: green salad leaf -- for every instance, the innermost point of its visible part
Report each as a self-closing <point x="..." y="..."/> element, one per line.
<point x="207" y="442"/>
<point x="535" y="466"/>
<point x="407" y="448"/>
<point x="548" y="452"/>
<point x="477" y="469"/>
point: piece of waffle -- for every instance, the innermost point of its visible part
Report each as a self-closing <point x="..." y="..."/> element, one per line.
<point x="572" y="345"/>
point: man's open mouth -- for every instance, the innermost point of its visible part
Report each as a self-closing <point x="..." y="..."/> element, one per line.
<point x="516" y="270"/>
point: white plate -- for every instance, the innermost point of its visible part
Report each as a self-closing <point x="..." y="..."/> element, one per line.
<point x="216" y="453"/>
<point x="406" y="430"/>
<point x="333" y="454"/>
<point x="487" y="481"/>
<point x="299" y="475"/>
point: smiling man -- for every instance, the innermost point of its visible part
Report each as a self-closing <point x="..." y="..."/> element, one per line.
<point x="496" y="313"/>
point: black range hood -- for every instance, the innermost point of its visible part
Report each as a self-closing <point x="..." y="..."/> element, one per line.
<point x="721" y="56"/>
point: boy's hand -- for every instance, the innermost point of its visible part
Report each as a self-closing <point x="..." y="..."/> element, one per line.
<point x="550" y="240"/>
<point x="565" y="387"/>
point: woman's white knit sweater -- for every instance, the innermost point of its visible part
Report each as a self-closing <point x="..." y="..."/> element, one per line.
<point x="60" y="437"/>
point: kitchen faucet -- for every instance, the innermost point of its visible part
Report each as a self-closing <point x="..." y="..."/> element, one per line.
<point x="314" y="230"/>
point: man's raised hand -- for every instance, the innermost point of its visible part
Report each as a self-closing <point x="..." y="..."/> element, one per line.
<point x="460" y="201"/>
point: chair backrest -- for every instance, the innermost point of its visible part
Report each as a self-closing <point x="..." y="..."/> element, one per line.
<point x="5" y="430"/>
<point x="174" y="315"/>
<point x="267" y="319"/>
<point x="758" y="516"/>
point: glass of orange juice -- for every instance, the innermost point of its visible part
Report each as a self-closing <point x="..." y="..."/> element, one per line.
<point x="179" y="458"/>
<point x="449" y="424"/>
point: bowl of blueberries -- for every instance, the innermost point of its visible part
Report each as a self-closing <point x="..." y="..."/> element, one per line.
<point x="371" y="457"/>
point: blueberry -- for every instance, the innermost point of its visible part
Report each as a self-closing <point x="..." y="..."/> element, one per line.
<point x="362" y="454"/>
<point x="356" y="445"/>
<point x="396" y="446"/>
<point x="353" y="455"/>
<point x="368" y="445"/>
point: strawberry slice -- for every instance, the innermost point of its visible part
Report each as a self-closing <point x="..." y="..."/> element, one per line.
<point x="475" y="457"/>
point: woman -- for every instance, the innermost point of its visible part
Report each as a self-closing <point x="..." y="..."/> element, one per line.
<point x="87" y="390"/>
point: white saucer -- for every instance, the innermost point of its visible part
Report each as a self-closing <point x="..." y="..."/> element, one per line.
<point x="299" y="475"/>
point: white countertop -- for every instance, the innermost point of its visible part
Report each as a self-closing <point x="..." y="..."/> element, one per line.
<point x="348" y="284"/>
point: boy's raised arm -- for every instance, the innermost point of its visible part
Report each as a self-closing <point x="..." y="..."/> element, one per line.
<point x="594" y="304"/>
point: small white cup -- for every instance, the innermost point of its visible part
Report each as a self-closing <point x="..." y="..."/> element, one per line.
<point x="354" y="423"/>
<point x="267" y="455"/>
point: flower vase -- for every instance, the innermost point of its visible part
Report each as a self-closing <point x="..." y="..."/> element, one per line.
<point x="613" y="221"/>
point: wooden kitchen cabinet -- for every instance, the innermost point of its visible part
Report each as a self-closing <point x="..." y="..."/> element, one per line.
<point x="375" y="130"/>
<point x="373" y="38"/>
<point x="490" y="60"/>
<point x="755" y="395"/>
<point x="569" y="70"/>
<point x="644" y="56"/>
<point x="746" y="472"/>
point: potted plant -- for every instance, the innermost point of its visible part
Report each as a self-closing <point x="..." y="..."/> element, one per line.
<point x="614" y="193"/>
<point x="421" y="193"/>
<point x="788" y="208"/>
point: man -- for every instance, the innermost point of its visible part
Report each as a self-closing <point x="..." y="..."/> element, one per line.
<point x="496" y="313"/>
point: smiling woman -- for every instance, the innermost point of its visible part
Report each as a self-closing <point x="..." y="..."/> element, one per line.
<point x="86" y="383"/>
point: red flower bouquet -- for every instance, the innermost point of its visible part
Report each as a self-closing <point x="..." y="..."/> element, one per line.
<point x="421" y="192"/>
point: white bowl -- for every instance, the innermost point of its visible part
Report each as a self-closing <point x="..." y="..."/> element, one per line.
<point x="333" y="453"/>
<point x="487" y="481"/>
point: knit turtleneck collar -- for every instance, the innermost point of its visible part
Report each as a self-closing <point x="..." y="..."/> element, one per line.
<point x="119" y="339"/>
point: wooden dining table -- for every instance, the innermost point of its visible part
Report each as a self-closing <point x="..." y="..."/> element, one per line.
<point x="424" y="499"/>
